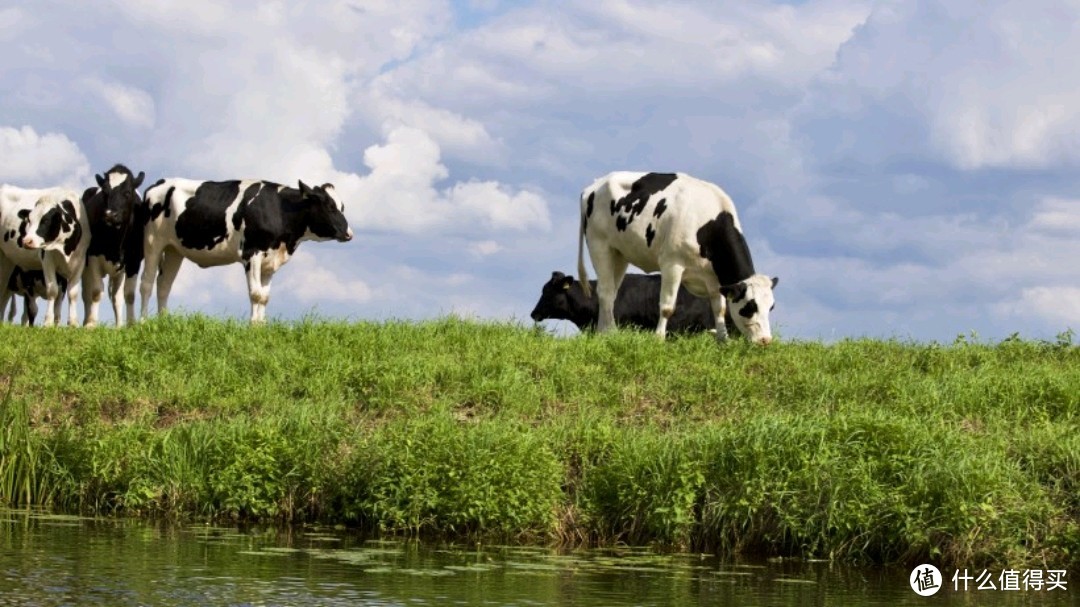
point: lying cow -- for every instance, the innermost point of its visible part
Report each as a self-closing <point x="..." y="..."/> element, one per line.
<point x="115" y="249"/>
<point x="256" y="223"/>
<point x="30" y="284"/>
<point x="686" y="229"/>
<point x="44" y="230"/>
<point x="636" y="305"/>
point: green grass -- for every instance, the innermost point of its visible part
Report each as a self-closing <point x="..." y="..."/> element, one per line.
<point x="864" y="450"/>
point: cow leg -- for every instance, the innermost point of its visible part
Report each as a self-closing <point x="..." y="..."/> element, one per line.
<point x="256" y="292"/>
<point x="117" y="293"/>
<point x="11" y="311"/>
<point x="92" y="288"/>
<point x="52" y="291"/>
<point x="74" y="286"/>
<point x="670" y="279"/>
<point x="718" y="304"/>
<point x="6" y="268"/>
<point x="30" y="310"/>
<point x="152" y="258"/>
<point x="131" y="283"/>
<point x="610" y="268"/>
<point x="170" y="267"/>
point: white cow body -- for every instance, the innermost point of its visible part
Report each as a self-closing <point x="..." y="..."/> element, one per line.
<point x="686" y="229"/>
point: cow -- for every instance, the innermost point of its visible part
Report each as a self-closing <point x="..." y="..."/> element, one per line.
<point x="44" y="230"/>
<point x="683" y="227"/>
<point x="636" y="305"/>
<point x="112" y="208"/>
<point x="31" y="285"/>
<point x="256" y="223"/>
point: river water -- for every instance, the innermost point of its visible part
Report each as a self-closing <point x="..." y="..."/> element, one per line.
<point x="64" y="560"/>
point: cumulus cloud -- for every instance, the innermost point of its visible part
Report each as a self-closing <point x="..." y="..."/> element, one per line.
<point x="309" y="280"/>
<point x="400" y="193"/>
<point x="40" y="160"/>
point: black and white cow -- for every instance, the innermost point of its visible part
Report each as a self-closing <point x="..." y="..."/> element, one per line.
<point x="636" y="305"/>
<point x="683" y="227"/>
<point x="115" y="247"/>
<point x="30" y="284"/>
<point x="43" y="230"/>
<point x="256" y="223"/>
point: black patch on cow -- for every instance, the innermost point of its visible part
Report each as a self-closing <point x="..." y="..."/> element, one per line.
<point x="106" y="240"/>
<point x="71" y="222"/>
<point x="133" y="241"/>
<point x="589" y="204"/>
<point x="723" y="244"/>
<point x="249" y="195"/>
<point x="650" y="233"/>
<point x="660" y="208"/>
<point x="633" y="204"/>
<point x="201" y="223"/>
<point x="51" y="223"/>
<point x="735" y="292"/>
<point x="277" y="216"/>
<point x="163" y="207"/>
<point x="749" y="309"/>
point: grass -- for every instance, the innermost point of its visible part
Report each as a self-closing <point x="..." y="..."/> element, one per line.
<point x="864" y="450"/>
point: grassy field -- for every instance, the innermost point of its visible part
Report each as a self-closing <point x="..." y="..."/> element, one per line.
<point x="864" y="450"/>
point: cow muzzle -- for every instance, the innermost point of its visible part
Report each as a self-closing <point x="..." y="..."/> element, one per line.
<point x="348" y="235"/>
<point x="112" y="219"/>
<point x="29" y="242"/>
<point x="764" y="340"/>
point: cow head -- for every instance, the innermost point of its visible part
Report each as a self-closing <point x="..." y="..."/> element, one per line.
<point x="119" y="187"/>
<point x="52" y="224"/>
<point x="554" y="299"/>
<point x="749" y="303"/>
<point x="326" y="214"/>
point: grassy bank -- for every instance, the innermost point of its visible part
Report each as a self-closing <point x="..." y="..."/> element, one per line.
<point x="965" y="453"/>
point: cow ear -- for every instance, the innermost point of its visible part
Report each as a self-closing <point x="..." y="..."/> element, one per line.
<point x="139" y="179"/>
<point x="100" y="181"/>
<point x="304" y="189"/>
<point x="734" y="292"/>
<point x="567" y="282"/>
<point x="23" y="213"/>
<point x="775" y="280"/>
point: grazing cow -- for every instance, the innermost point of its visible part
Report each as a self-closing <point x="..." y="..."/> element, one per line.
<point x="213" y="223"/>
<point x="31" y="285"/>
<point x="44" y="230"/>
<point x="683" y="227"/>
<point x="636" y="305"/>
<point x="115" y="245"/>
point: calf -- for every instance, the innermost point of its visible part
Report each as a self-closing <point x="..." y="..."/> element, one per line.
<point x="31" y="285"/>
<point x="683" y="227"/>
<point x="636" y="305"/>
<point x="115" y="249"/>
<point x="43" y="230"/>
<point x="255" y="223"/>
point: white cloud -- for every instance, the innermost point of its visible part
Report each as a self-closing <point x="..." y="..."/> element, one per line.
<point x="33" y="160"/>
<point x="484" y="248"/>
<point x="132" y="105"/>
<point x="1057" y="304"/>
<point x="309" y="280"/>
<point x="400" y="193"/>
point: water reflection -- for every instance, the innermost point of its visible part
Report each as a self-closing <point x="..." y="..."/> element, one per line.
<point x="61" y="560"/>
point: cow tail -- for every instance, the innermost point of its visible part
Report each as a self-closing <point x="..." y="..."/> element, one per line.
<point x="583" y="275"/>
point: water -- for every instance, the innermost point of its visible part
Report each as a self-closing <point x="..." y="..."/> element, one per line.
<point x="61" y="560"/>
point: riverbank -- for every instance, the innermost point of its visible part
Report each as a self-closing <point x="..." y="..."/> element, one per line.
<point x="864" y="450"/>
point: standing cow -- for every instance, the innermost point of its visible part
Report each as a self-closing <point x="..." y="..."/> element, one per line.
<point x="683" y="227"/>
<point x="636" y="305"/>
<point x="213" y="223"/>
<point x="46" y="230"/>
<point x="116" y="244"/>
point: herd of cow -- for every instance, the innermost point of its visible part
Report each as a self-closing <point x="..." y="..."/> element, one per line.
<point x="56" y="242"/>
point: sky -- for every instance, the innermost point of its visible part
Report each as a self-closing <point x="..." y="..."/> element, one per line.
<point x="908" y="169"/>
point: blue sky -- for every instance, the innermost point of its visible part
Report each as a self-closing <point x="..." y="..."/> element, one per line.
<point x="907" y="168"/>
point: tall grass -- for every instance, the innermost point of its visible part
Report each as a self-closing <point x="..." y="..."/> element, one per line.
<point x="878" y="451"/>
